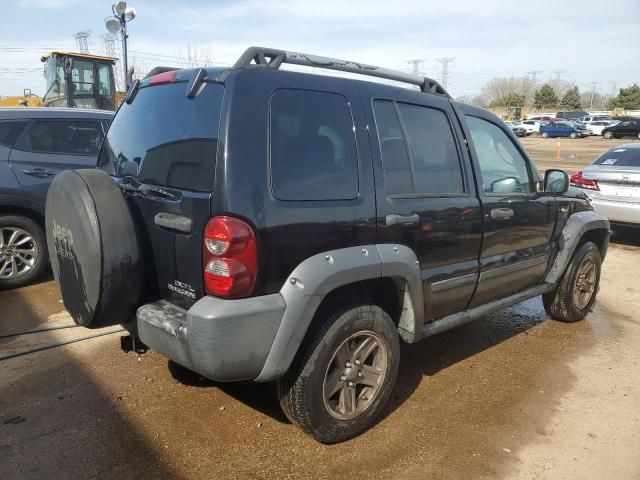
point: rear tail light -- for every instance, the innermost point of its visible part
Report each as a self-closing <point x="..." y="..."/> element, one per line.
<point x="577" y="181"/>
<point x="230" y="258"/>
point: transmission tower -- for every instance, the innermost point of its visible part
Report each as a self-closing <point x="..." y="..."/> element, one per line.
<point x="614" y="87"/>
<point x="109" y="44"/>
<point x="594" y="86"/>
<point x="82" y="41"/>
<point x="417" y="65"/>
<point x="533" y="74"/>
<point x="444" y="70"/>
<point x="558" y="73"/>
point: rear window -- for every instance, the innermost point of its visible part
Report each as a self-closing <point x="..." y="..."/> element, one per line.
<point x="620" y="157"/>
<point x="164" y="138"/>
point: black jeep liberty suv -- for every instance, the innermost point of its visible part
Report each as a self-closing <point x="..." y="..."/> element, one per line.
<point x="255" y="223"/>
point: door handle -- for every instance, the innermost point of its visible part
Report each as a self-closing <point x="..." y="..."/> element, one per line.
<point x="38" y="172"/>
<point x="395" y="219"/>
<point x="501" y="213"/>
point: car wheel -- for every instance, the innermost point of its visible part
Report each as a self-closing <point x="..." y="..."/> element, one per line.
<point x="23" y="251"/>
<point x="576" y="293"/>
<point x="638" y="135"/>
<point x="607" y="134"/>
<point x="343" y="375"/>
<point x="545" y="134"/>
<point x="573" y="135"/>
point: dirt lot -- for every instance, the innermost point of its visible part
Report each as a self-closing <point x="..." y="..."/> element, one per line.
<point x="574" y="153"/>
<point x="512" y="396"/>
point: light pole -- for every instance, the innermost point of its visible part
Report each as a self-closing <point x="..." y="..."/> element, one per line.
<point x="118" y="23"/>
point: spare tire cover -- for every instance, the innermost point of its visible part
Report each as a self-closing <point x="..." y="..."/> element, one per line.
<point x="93" y="246"/>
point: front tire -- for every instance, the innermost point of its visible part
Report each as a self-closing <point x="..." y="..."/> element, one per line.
<point x="576" y="293"/>
<point x="545" y="134"/>
<point x="343" y="375"/>
<point x="23" y="251"/>
<point x="573" y="135"/>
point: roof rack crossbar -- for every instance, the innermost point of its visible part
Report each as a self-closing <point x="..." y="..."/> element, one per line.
<point x="259" y="57"/>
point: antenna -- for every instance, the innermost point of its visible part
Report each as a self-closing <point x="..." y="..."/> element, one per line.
<point x="444" y="72"/>
<point x="82" y="41"/>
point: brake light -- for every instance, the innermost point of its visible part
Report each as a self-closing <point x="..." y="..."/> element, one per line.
<point x="577" y="181"/>
<point x="164" y="77"/>
<point x="230" y="257"/>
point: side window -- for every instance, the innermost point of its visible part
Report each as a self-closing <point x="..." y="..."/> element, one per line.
<point x="104" y="80"/>
<point x="10" y="131"/>
<point x="80" y="137"/>
<point x="502" y="167"/>
<point x="436" y="165"/>
<point x="395" y="158"/>
<point x="313" y="146"/>
<point x="432" y="164"/>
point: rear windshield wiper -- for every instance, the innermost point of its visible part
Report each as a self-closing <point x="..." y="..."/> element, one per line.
<point x="131" y="185"/>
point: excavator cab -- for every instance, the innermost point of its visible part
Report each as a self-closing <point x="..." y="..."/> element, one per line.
<point x="78" y="80"/>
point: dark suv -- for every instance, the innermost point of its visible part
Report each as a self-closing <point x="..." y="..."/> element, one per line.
<point x="36" y="144"/>
<point x="252" y="223"/>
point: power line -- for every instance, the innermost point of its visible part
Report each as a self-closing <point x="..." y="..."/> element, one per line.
<point x="444" y="70"/>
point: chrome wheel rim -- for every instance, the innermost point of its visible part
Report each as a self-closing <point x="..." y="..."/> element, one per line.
<point x="585" y="284"/>
<point x="355" y="375"/>
<point x="18" y="252"/>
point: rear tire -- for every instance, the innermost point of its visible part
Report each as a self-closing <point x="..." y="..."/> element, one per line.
<point x="23" y="251"/>
<point x="576" y="292"/>
<point x="608" y="135"/>
<point x="545" y="134"/>
<point x="344" y="374"/>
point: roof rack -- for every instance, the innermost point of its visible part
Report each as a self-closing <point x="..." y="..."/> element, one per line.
<point x="259" y="57"/>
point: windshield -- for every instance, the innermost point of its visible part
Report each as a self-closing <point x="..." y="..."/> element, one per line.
<point x="620" y="157"/>
<point x="164" y="138"/>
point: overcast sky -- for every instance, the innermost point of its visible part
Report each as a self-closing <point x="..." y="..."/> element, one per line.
<point x="591" y="41"/>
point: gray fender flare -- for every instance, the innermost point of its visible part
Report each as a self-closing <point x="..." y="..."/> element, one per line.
<point x="577" y="225"/>
<point x="317" y="276"/>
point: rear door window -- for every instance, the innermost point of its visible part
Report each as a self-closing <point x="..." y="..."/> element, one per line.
<point x="164" y="138"/>
<point x="313" y="146"/>
<point x="418" y="150"/>
<point x="10" y="131"/>
<point x="74" y="137"/>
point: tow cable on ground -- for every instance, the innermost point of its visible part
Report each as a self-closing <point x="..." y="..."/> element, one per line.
<point x="60" y="344"/>
<point x="38" y="330"/>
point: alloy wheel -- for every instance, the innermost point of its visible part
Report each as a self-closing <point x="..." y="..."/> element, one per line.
<point x="585" y="283"/>
<point x="355" y="375"/>
<point x="18" y="252"/>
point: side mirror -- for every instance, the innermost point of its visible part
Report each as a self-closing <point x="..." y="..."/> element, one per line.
<point x="556" y="181"/>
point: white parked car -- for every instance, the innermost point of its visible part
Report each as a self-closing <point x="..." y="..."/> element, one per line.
<point x="599" y="125"/>
<point x="531" y="126"/>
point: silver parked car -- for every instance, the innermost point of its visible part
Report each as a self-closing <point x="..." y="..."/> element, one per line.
<point x="612" y="183"/>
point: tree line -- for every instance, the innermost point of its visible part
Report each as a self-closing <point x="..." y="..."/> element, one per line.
<point x="555" y="94"/>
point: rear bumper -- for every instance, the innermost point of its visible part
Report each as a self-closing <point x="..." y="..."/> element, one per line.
<point x="224" y="340"/>
<point x="625" y="212"/>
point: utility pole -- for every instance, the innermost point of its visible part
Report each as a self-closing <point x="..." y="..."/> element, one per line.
<point x="82" y="41"/>
<point x="417" y="65"/>
<point x="444" y="71"/>
<point x="594" y="85"/>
